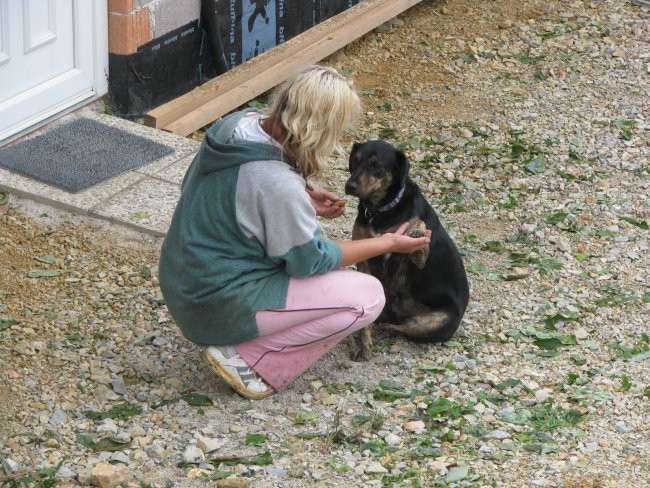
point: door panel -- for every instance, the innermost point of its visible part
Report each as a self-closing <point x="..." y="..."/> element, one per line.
<point x="47" y="62"/>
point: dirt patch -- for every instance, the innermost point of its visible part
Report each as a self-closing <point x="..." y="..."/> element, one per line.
<point x="436" y="35"/>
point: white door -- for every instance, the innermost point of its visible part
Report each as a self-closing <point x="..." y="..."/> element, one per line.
<point x="53" y="56"/>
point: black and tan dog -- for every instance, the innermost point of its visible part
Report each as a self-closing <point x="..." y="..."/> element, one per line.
<point x="427" y="291"/>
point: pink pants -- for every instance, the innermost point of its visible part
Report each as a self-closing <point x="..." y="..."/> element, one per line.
<point x="321" y="311"/>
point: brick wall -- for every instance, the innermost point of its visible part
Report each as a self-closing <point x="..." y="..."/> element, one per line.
<point x="129" y="26"/>
<point x="132" y="23"/>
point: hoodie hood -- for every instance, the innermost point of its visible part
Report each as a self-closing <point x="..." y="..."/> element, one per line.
<point x="220" y="150"/>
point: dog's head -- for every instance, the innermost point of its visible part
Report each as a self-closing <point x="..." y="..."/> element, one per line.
<point x="378" y="172"/>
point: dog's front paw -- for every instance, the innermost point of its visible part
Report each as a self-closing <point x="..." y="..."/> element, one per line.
<point x="418" y="228"/>
<point x="416" y="233"/>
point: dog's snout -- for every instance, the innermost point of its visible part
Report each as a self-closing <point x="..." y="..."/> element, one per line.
<point x="351" y="188"/>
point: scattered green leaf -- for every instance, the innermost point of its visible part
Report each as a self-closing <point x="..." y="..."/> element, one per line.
<point x="46" y="258"/>
<point x="639" y="223"/>
<point x="197" y="400"/>
<point x="256" y="439"/>
<point x="6" y="323"/>
<point x="456" y="473"/>
<point x="108" y="444"/>
<point x="264" y="459"/>
<point x="303" y="417"/>
<point x="119" y="411"/>
<point x="45" y="273"/>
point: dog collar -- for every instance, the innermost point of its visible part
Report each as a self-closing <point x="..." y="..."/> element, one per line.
<point x="369" y="212"/>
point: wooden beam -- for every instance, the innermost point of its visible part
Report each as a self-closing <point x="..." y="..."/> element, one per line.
<point x="226" y="92"/>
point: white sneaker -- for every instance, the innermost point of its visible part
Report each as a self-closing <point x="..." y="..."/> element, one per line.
<point x="232" y="368"/>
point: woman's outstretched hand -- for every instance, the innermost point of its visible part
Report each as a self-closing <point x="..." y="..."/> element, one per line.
<point x="362" y="249"/>
<point x="401" y="243"/>
<point x="323" y="203"/>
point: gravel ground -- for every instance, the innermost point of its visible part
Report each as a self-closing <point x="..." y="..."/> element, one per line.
<point x="527" y="127"/>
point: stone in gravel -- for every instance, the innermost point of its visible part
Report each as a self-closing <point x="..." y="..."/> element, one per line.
<point x="374" y="468"/>
<point x="581" y="333"/>
<point x="620" y="427"/>
<point x="383" y="28"/>
<point x="193" y="454"/>
<point x="107" y="475"/>
<point x="414" y="426"/>
<point x="338" y="56"/>
<point x="24" y="349"/>
<point x="105" y="394"/>
<point x="160" y="341"/>
<point x="137" y="431"/>
<point x="497" y="434"/>
<point x="65" y="472"/>
<point x="198" y="473"/>
<point x="208" y="444"/>
<point x="466" y="133"/>
<point x="276" y="471"/>
<point x="327" y="398"/>
<point x="108" y="426"/>
<point x="504" y="411"/>
<point x="543" y="395"/>
<point x="315" y="385"/>
<point x="10" y="466"/>
<point x="59" y="417"/>
<point x="119" y="457"/>
<point x="232" y="483"/>
<point x="393" y="439"/>
<point x="119" y="386"/>
<point x="101" y="377"/>
<point x="563" y="244"/>
<point x="52" y="443"/>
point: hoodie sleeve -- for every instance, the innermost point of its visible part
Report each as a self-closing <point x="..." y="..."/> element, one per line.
<point x="273" y="207"/>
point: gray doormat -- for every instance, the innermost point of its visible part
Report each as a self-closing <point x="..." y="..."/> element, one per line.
<point x="80" y="154"/>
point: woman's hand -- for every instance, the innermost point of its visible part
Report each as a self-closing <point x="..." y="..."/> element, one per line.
<point x="363" y="249"/>
<point x="401" y="243"/>
<point x="323" y="203"/>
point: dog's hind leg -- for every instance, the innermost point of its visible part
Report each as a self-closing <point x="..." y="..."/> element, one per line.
<point x="437" y="326"/>
<point x="364" y="342"/>
<point x="363" y="337"/>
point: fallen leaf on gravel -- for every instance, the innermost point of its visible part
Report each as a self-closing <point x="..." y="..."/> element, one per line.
<point x="46" y="273"/>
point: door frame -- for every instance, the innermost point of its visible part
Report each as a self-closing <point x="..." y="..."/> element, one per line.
<point x="90" y="57"/>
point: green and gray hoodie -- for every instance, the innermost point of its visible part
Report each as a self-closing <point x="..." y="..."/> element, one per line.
<point x="242" y="227"/>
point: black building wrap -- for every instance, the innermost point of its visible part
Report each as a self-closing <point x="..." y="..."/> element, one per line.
<point x="229" y="33"/>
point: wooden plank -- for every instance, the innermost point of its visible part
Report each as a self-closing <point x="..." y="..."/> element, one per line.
<point x="172" y="110"/>
<point x="226" y="92"/>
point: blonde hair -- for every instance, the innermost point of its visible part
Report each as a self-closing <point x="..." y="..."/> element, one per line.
<point x="314" y="108"/>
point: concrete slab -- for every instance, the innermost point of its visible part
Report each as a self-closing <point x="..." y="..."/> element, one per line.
<point x="147" y="206"/>
<point x="82" y="202"/>
<point x="175" y="172"/>
<point x="143" y="199"/>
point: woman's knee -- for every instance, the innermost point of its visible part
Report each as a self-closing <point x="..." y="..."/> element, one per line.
<point x="370" y="296"/>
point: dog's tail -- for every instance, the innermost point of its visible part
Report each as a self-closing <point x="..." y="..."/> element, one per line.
<point x="439" y="326"/>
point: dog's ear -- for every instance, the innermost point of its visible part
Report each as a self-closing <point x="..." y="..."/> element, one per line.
<point x="355" y="158"/>
<point x="402" y="165"/>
